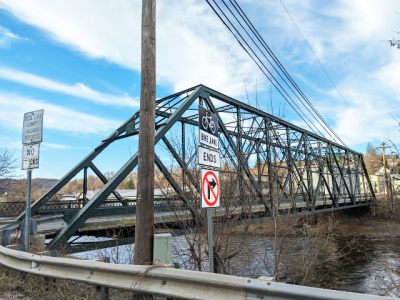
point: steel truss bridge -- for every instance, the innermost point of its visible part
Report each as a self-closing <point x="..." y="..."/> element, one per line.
<point x="269" y="168"/>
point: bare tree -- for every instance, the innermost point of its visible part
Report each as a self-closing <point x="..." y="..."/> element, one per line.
<point x="373" y="161"/>
<point x="8" y="164"/>
<point x="236" y="208"/>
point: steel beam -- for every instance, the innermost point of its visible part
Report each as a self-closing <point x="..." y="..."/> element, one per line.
<point x="291" y="167"/>
<point x="261" y="113"/>
<point x="61" y="239"/>
<point x="193" y="210"/>
<point x="279" y="138"/>
<point x="104" y="180"/>
<point x="342" y="175"/>
<point x="238" y="154"/>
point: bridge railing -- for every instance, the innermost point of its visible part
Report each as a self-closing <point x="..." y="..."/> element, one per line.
<point x="12" y="209"/>
<point x="166" y="282"/>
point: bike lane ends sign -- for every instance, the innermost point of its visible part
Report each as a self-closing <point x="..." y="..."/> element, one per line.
<point x="210" y="188"/>
<point x="208" y="128"/>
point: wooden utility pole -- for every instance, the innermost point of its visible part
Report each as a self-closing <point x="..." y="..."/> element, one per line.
<point x="145" y="199"/>
<point x="388" y="182"/>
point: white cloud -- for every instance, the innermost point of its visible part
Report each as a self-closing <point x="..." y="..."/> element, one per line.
<point x="77" y="90"/>
<point x="193" y="46"/>
<point x="56" y="146"/>
<point x="55" y="117"/>
<point x="7" y="37"/>
<point x="350" y="39"/>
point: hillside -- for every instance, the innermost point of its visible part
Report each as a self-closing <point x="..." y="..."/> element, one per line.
<point x="40" y="183"/>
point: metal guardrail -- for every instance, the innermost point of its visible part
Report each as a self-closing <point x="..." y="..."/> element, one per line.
<point x="166" y="282"/>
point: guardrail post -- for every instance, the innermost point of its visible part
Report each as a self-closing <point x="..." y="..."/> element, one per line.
<point x="5" y="237"/>
<point x="34" y="225"/>
<point x="19" y="247"/>
<point x="22" y="232"/>
<point x="51" y="253"/>
<point x="33" y="229"/>
<point x="102" y="291"/>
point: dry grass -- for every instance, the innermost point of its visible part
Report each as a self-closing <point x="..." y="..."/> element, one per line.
<point x="36" y="287"/>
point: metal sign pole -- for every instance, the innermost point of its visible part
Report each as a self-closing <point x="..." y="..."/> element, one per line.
<point x="28" y="211"/>
<point x="32" y="134"/>
<point x="210" y="240"/>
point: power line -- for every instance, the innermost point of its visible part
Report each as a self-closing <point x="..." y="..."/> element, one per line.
<point x="21" y="151"/>
<point x="324" y="125"/>
<point x="274" y="81"/>
<point x="324" y="69"/>
<point x="281" y="67"/>
<point x="267" y="59"/>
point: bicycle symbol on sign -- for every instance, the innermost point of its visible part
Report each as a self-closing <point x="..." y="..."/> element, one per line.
<point x="208" y="122"/>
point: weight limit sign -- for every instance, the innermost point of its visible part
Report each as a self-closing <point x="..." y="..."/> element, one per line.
<point x="209" y="188"/>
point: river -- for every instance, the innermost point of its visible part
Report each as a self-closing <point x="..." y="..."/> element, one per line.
<point x="360" y="268"/>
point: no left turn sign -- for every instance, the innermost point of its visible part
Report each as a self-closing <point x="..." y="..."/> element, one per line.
<point x="209" y="188"/>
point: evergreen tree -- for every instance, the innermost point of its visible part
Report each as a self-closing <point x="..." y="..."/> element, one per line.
<point x="130" y="185"/>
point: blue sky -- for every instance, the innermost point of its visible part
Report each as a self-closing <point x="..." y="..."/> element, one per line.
<point x="80" y="62"/>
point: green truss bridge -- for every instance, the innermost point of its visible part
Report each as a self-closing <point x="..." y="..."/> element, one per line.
<point x="269" y="167"/>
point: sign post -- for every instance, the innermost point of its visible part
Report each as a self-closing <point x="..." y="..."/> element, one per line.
<point x="210" y="160"/>
<point x="31" y="138"/>
<point x="210" y="240"/>
<point x="27" y="233"/>
<point x="210" y="198"/>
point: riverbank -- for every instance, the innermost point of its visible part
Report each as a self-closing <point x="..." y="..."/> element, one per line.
<point x="339" y="223"/>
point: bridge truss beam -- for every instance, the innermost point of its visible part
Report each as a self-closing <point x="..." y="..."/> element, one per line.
<point x="268" y="161"/>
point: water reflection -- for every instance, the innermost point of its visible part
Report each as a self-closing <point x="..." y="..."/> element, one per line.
<point x="356" y="269"/>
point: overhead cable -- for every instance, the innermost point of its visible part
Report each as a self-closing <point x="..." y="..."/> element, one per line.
<point x="274" y="82"/>
<point x="282" y="68"/>
<point x="273" y="61"/>
<point x="326" y="73"/>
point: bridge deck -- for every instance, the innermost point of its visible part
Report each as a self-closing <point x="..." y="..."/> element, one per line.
<point x="53" y="226"/>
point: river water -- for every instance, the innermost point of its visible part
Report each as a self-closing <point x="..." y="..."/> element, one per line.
<point x="362" y="267"/>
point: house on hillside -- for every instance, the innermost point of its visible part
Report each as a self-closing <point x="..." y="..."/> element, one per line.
<point x="378" y="179"/>
<point x="392" y="160"/>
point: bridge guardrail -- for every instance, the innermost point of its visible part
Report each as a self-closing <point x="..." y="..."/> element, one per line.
<point x="12" y="209"/>
<point x="166" y="282"/>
